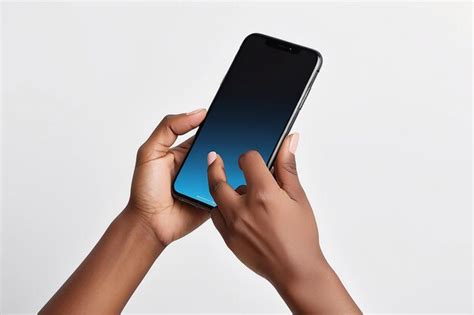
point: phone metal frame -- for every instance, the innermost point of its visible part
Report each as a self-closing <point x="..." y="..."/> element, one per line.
<point x="291" y="120"/>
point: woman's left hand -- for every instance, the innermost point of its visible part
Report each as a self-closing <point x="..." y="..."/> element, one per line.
<point x="156" y="166"/>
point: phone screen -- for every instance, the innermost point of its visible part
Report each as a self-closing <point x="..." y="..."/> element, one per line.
<point x="251" y="111"/>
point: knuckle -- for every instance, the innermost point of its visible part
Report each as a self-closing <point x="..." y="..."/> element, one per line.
<point x="237" y="224"/>
<point x="249" y="155"/>
<point x="290" y="167"/>
<point x="142" y="151"/>
<point x="167" y="118"/>
<point x="261" y="196"/>
<point x="252" y="154"/>
<point x="218" y="186"/>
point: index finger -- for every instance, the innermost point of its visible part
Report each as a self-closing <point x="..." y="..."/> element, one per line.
<point x="256" y="171"/>
<point x="224" y="195"/>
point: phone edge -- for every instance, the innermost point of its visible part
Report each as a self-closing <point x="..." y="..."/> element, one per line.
<point x="298" y="107"/>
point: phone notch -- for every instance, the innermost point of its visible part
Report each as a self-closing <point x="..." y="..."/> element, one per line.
<point x="282" y="45"/>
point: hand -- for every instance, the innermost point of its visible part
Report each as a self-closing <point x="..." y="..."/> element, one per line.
<point x="155" y="169"/>
<point x="270" y="227"/>
<point x="135" y="239"/>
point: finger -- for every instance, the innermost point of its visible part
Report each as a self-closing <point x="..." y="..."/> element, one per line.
<point x="241" y="190"/>
<point x="180" y="150"/>
<point x="219" y="222"/>
<point x="223" y="194"/>
<point x="171" y="127"/>
<point x="256" y="171"/>
<point x="285" y="168"/>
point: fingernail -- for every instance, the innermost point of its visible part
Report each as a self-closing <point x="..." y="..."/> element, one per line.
<point x="196" y="111"/>
<point x="294" y="142"/>
<point x="211" y="157"/>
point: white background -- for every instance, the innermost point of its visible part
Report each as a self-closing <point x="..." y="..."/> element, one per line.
<point x="385" y="151"/>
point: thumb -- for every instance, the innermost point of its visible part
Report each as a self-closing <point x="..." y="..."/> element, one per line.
<point x="285" y="168"/>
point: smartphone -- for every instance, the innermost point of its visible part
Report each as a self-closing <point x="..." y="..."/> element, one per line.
<point x="254" y="109"/>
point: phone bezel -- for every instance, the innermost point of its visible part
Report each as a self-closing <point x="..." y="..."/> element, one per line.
<point x="291" y="120"/>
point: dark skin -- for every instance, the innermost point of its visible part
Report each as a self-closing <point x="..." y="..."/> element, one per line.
<point x="260" y="223"/>
<point x="270" y="226"/>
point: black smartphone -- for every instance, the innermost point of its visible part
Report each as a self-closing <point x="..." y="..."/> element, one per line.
<point x="254" y="109"/>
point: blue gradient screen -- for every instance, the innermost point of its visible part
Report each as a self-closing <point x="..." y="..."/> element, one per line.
<point x="250" y="111"/>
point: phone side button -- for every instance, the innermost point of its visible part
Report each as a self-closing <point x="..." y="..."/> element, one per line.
<point x="294" y="119"/>
<point x="304" y="98"/>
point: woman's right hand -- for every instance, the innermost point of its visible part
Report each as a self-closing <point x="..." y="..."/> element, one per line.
<point x="270" y="227"/>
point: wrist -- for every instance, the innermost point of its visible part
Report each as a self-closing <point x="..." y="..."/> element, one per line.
<point x="317" y="290"/>
<point x="141" y="226"/>
<point x="303" y="274"/>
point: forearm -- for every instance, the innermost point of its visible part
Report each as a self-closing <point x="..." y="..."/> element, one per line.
<point x="317" y="291"/>
<point x="106" y="279"/>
